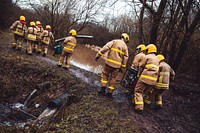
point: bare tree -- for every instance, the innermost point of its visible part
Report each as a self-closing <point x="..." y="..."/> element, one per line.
<point x="185" y="41"/>
<point x="157" y="16"/>
<point x="173" y="23"/>
<point x="67" y="14"/>
<point x="140" y="31"/>
<point x="181" y="22"/>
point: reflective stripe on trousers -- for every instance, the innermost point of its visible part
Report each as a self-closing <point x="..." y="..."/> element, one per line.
<point x="62" y="57"/>
<point x="138" y="94"/>
<point x="68" y="49"/>
<point x="162" y="85"/>
<point x="159" y="102"/>
<point x="104" y="81"/>
<point x="109" y="75"/>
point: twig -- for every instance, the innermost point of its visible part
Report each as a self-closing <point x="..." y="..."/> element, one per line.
<point x="26" y="113"/>
<point x="21" y="111"/>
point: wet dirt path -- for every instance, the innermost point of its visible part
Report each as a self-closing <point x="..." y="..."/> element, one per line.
<point x="123" y="104"/>
<point x="81" y="74"/>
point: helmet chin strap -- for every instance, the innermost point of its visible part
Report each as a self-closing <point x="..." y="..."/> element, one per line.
<point x="122" y="38"/>
<point x="22" y="21"/>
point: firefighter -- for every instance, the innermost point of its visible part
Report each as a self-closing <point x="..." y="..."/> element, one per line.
<point x="136" y="68"/>
<point x="68" y="49"/>
<point x="116" y="59"/>
<point x="47" y="38"/>
<point x="140" y="57"/>
<point x="19" y="27"/>
<point x="31" y="37"/>
<point x="147" y="78"/>
<point x="166" y="73"/>
<point x="40" y="29"/>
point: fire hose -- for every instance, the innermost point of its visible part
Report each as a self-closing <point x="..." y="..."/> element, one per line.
<point x="59" y="46"/>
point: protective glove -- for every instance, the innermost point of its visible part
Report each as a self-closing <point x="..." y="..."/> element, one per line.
<point x="10" y="29"/>
<point x="172" y="78"/>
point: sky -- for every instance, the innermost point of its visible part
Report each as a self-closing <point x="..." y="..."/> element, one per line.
<point x="119" y="6"/>
<point x="113" y="9"/>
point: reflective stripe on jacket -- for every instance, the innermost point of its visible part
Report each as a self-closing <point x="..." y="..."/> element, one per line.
<point x="164" y="75"/>
<point x="39" y="31"/>
<point x="32" y="33"/>
<point x="70" y="44"/>
<point x="150" y="73"/>
<point x="19" y="28"/>
<point x="47" y="37"/>
<point x="117" y="53"/>
<point x="137" y="62"/>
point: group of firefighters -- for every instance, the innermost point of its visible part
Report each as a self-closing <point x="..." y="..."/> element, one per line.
<point x="152" y="72"/>
<point x="37" y="38"/>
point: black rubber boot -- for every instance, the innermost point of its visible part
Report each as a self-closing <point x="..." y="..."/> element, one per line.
<point x="102" y="91"/>
<point x="109" y="95"/>
<point x="59" y="65"/>
<point x="13" y="47"/>
<point x="140" y="112"/>
<point x="44" y="55"/>
<point x="19" y="48"/>
<point x="158" y="107"/>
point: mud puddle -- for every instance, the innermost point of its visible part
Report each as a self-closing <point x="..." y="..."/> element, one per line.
<point x="77" y="72"/>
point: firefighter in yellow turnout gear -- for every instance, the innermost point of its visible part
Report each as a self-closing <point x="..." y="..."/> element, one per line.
<point x="19" y="27"/>
<point x="136" y="68"/>
<point x="38" y="47"/>
<point x="139" y="58"/>
<point x="68" y="49"/>
<point x="47" y="38"/>
<point x="147" y="78"/>
<point x="166" y="73"/>
<point x="116" y="59"/>
<point x="31" y="37"/>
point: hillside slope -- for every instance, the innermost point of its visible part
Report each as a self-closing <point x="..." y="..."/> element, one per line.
<point x="87" y="111"/>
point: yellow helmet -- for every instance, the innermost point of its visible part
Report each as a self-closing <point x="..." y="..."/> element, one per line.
<point x="141" y="48"/>
<point x="151" y="48"/>
<point x="32" y="23"/>
<point x="160" y="57"/>
<point x="72" y="32"/>
<point x="126" y="37"/>
<point x="48" y="27"/>
<point x="22" y="18"/>
<point x="38" y="23"/>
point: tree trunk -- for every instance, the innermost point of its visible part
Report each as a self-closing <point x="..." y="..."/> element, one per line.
<point x="185" y="41"/>
<point x="157" y="16"/>
<point x="140" y="34"/>
<point x="179" y="30"/>
<point x="156" y="22"/>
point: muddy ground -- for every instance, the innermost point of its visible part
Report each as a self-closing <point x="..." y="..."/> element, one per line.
<point x="86" y="111"/>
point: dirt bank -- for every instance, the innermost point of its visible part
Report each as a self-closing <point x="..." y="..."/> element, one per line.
<point x="87" y="112"/>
